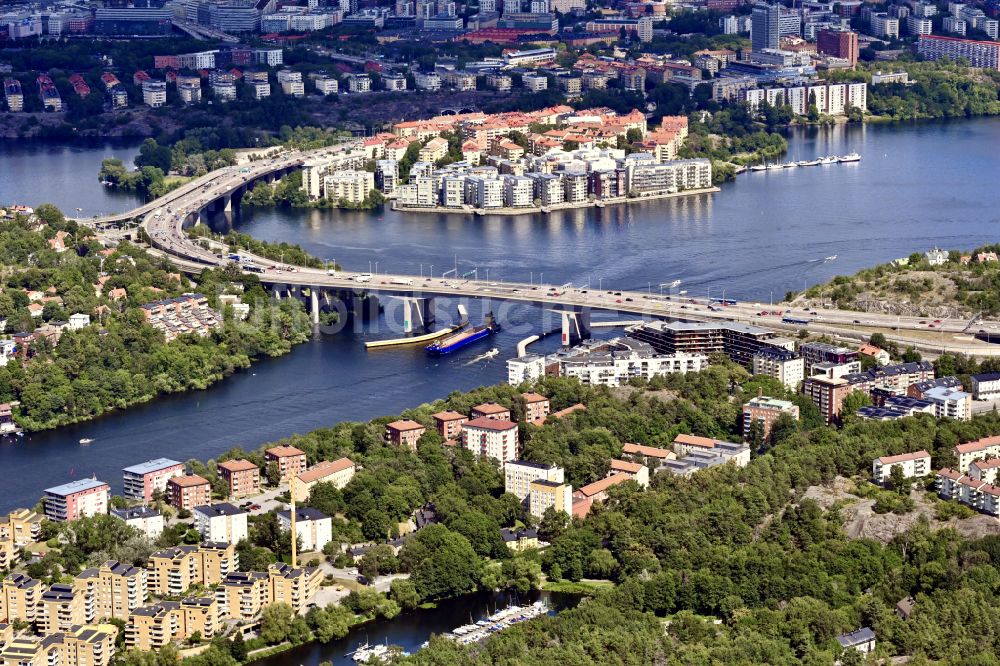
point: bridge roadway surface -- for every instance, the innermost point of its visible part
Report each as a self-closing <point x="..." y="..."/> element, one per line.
<point x="166" y="218"/>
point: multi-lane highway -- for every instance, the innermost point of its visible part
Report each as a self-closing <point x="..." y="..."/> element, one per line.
<point x="165" y="220"/>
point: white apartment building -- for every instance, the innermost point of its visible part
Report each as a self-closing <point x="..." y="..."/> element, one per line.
<point x="224" y="92"/>
<point x="916" y="25"/>
<point x="291" y="83"/>
<point x="535" y="82"/>
<point x="314" y="170"/>
<point x="494" y="438"/>
<point x="427" y="81"/>
<point x="154" y="93"/>
<point x="387" y="176"/>
<point x="519" y="191"/>
<point x="485" y="192"/>
<point x="954" y="25"/>
<point x="574" y="187"/>
<point x="985" y="470"/>
<point x="549" y="188"/>
<point x="189" y="89"/>
<point x="913" y="465"/>
<point x="518" y="475"/>
<point x="394" y="82"/>
<point x="831" y="99"/>
<point x="986" y="386"/>
<point x="980" y="495"/>
<point x="978" y="53"/>
<point x="418" y="193"/>
<point x="314" y="527"/>
<point x="882" y="25"/>
<point x="525" y="369"/>
<point x="627" y="359"/>
<point x="261" y="89"/>
<point x="269" y="57"/>
<point x="452" y="191"/>
<point x="350" y="186"/>
<point x="220" y="523"/>
<point x="781" y="364"/>
<point x="327" y="85"/>
<point x="949" y="402"/>
<point x="651" y="178"/>
<point x="981" y="449"/>
<point x="359" y="83"/>
<point x="146" y="520"/>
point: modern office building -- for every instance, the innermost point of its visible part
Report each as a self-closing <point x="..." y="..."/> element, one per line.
<point x="764" y="27"/>
<point x="740" y="342"/>
<point x="132" y="21"/>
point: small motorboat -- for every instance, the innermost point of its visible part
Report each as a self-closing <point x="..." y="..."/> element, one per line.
<point x="86" y="440"/>
<point x="775" y="166"/>
<point x="849" y="157"/>
<point x="830" y="159"/>
<point x="759" y="167"/>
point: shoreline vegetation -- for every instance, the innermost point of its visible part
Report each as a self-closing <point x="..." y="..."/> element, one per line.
<point x="118" y="360"/>
<point x="286" y="253"/>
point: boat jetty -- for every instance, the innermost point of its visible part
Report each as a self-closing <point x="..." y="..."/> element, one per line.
<point x="511" y="615"/>
<point x="829" y="159"/>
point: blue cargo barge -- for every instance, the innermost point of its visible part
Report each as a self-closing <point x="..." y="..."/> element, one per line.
<point x="462" y="338"/>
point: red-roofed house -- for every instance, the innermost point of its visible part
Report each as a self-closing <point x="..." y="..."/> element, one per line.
<point x="189" y="491"/>
<point x="536" y="407"/>
<point x="338" y="472"/>
<point x="634" y="470"/>
<point x="242" y="476"/>
<point x="449" y="424"/>
<point x="598" y="490"/>
<point x="490" y="410"/>
<point x="404" y="433"/>
<point x="642" y="451"/>
<point x="290" y="460"/>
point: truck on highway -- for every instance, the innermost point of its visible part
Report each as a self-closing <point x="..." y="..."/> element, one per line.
<point x="363" y="277"/>
<point x="402" y="281"/>
<point x="233" y="257"/>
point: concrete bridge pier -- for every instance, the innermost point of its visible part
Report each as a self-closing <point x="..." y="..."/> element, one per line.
<point x="417" y="308"/>
<point x="314" y="304"/>
<point x="575" y="325"/>
<point x="277" y="291"/>
<point x="227" y="203"/>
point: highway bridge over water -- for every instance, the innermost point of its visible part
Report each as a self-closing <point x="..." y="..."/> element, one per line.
<point x="166" y="219"/>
